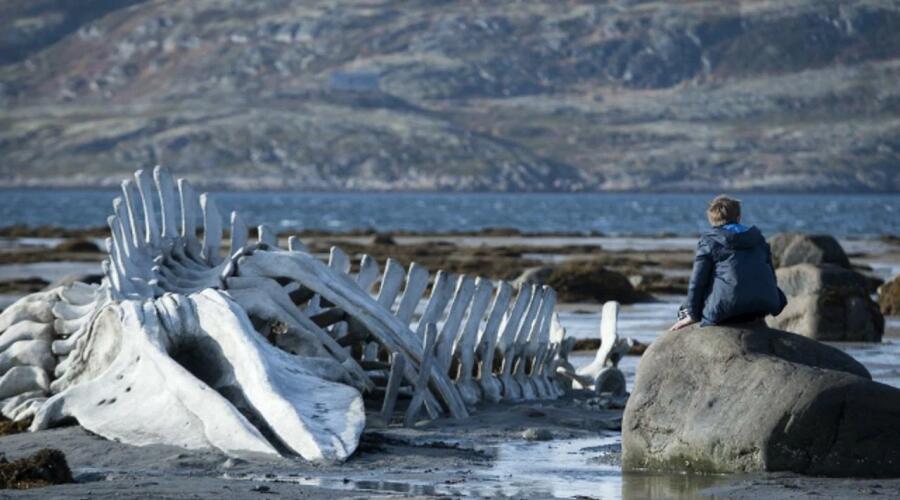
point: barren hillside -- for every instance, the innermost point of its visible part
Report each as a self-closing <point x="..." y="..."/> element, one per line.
<point x="501" y="95"/>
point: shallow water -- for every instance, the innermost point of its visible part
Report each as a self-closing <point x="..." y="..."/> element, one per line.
<point x="566" y="468"/>
<point x="563" y="468"/>
<point x="647" y="321"/>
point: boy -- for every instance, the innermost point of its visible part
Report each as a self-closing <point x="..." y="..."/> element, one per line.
<point x="733" y="278"/>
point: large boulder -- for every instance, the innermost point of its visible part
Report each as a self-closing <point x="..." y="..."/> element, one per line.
<point x="584" y="281"/>
<point x="789" y="249"/>
<point x="889" y="297"/>
<point x="827" y="302"/>
<point x="748" y="398"/>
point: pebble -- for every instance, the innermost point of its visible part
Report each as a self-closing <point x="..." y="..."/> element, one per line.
<point x="535" y="434"/>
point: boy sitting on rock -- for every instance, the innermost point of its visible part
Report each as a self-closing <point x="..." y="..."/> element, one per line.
<point x="733" y="278"/>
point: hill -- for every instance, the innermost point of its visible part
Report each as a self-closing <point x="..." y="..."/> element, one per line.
<point x="797" y="95"/>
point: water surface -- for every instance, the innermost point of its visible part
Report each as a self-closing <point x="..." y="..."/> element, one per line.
<point x="844" y="215"/>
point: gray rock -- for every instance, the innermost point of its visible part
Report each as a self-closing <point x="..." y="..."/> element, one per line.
<point x="588" y="280"/>
<point x="535" y="434"/>
<point x="77" y="245"/>
<point x="383" y="239"/>
<point x="889" y="297"/>
<point x="789" y="249"/>
<point x="827" y="302"/>
<point x="747" y="398"/>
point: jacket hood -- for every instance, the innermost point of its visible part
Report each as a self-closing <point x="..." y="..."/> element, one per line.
<point x="745" y="239"/>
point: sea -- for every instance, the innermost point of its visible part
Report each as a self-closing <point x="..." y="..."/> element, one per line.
<point x="611" y="214"/>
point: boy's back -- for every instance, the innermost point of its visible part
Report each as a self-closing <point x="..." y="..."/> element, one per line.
<point x="733" y="278"/>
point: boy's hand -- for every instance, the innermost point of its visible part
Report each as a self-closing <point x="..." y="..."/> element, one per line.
<point x="682" y="323"/>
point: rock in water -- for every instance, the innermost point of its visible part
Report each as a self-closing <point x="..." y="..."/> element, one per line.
<point x="748" y="398"/>
<point x="827" y="302"/>
<point x="77" y="245"/>
<point x="386" y="239"/>
<point x="789" y="249"/>
<point x="889" y="297"/>
<point x="536" y="434"/>
<point x="587" y="281"/>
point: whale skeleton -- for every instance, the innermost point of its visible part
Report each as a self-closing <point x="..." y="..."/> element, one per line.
<point x="258" y="348"/>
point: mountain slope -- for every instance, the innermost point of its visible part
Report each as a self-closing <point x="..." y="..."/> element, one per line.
<point x="535" y="95"/>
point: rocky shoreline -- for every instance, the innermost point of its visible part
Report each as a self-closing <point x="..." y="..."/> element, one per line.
<point x="481" y="455"/>
<point x="487" y="454"/>
<point x="582" y="267"/>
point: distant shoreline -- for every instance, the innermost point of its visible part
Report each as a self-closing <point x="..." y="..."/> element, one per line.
<point x="230" y="187"/>
<point x="44" y="231"/>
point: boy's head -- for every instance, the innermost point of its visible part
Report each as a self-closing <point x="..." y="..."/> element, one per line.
<point x="723" y="210"/>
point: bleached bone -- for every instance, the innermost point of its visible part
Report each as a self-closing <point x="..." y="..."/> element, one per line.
<point x="215" y="331"/>
<point x="295" y="245"/>
<point x="505" y="346"/>
<point x="491" y="388"/>
<point x="538" y="352"/>
<point x="21" y="379"/>
<point x="526" y="345"/>
<point x="398" y="366"/>
<point x="264" y="298"/>
<point x="462" y="297"/>
<point x="531" y="348"/>
<point x="267" y="236"/>
<point x="23" y="406"/>
<point x="24" y="331"/>
<point x="609" y="339"/>
<point x="428" y="357"/>
<point x="28" y="353"/>
<point x="340" y="290"/>
<point x="441" y="292"/>
<point x="464" y="346"/>
<point x="512" y="360"/>
<point x="466" y="307"/>
<point x="391" y="282"/>
<point x="602" y="374"/>
<point x="259" y="349"/>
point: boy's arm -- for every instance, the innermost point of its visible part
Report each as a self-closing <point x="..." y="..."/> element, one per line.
<point x="701" y="278"/>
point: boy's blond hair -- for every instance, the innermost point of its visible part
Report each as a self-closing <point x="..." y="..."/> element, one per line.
<point x="723" y="210"/>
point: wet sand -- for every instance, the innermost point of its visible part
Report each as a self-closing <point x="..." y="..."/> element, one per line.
<point x="481" y="456"/>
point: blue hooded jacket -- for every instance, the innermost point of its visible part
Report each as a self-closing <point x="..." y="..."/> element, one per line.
<point x="733" y="277"/>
